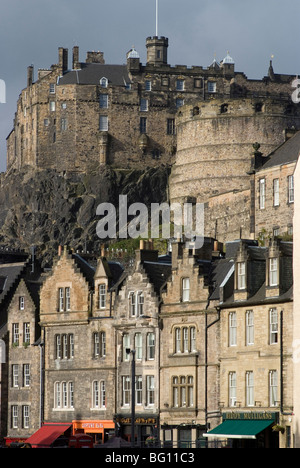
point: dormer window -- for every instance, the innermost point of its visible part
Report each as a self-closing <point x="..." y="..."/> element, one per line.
<point x="273" y="271"/>
<point x="241" y="275"/>
<point x="104" y="82"/>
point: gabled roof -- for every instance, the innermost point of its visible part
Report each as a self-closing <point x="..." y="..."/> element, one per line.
<point x="9" y="273"/>
<point x="158" y="274"/>
<point x="91" y="74"/>
<point x="288" y="152"/>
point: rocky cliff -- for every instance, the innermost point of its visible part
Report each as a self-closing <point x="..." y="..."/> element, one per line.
<point x="46" y="209"/>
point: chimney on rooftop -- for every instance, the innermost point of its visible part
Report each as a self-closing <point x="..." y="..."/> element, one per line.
<point x="75" y="58"/>
<point x="63" y="59"/>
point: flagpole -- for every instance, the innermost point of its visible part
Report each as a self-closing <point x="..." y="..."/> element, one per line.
<point x="157" y="18"/>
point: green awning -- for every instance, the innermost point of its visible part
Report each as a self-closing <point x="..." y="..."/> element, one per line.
<point x="239" y="429"/>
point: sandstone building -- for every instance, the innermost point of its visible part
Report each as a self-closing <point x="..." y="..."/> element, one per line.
<point x="73" y="118"/>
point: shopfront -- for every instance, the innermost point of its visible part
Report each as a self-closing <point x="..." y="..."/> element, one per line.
<point x="146" y="429"/>
<point x="246" y="430"/>
<point x="100" y="430"/>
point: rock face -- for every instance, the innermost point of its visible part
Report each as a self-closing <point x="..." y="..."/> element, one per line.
<point x="46" y="209"/>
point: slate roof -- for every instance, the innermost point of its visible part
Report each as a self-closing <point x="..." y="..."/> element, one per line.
<point x="91" y="74"/>
<point x="288" y="152"/>
<point x="223" y="275"/>
<point x="9" y="273"/>
<point x="158" y="274"/>
<point x="88" y="271"/>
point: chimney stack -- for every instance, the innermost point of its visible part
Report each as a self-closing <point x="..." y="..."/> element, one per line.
<point x="29" y="76"/>
<point x="63" y="59"/>
<point x="75" y="60"/>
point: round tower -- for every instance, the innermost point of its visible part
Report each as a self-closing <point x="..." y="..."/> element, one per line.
<point x="215" y="144"/>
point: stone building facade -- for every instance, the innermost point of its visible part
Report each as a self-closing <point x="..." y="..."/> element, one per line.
<point x="189" y="348"/>
<point x="190" y="326"/>
<point x="256" y="347"/>
<point x="77" y="117"/>
<point x="79" y="342"/>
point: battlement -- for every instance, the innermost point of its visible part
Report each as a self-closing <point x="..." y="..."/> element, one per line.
<point x="82" y="115"/>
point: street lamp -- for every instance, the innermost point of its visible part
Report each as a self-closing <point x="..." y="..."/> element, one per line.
<point x="132" y="351"/>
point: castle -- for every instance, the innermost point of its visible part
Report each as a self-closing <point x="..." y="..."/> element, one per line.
<point x="209" y="330"/>
<point x="203" y="122"/>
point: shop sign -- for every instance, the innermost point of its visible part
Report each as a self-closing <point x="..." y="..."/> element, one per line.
<point x="262" y="416"/>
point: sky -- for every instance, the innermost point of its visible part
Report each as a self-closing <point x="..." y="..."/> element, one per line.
<point x="198" y="30"/>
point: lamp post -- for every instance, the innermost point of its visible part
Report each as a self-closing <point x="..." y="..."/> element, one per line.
<point x="132" y="351"/>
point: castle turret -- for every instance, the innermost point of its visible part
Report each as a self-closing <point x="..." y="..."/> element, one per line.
<point x="157" y="50"/>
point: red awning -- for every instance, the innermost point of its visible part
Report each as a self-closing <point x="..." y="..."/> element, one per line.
<point x="47" y="434"/>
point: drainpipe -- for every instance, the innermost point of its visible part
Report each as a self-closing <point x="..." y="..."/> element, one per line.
<point x="207" y="326"/>
<point x="281" y="368"/>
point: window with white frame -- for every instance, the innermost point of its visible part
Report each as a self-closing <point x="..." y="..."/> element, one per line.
<point x="15" y="334"/>
<point x="64" y="395"/>
<point x="64" y="346"/>
<point x="273" y="388"/>
<point x="276" y="192"/>
<point x="52" y="106"/>
<point x="103" y="101"/>
<point x="179" y="85"/>
<point x="144" y="105"/>
<point x="273" y="271"/>
<point x="241" y="275"/>
<point x="262" y="193"/>
<point x="138" y="389"/>
<point x="103" y="123"/>
<point x="126" y="345"/>
<point x="148" y="85"/>
<point x="68" y="298"/>
<point x="25" y="411"/>
<point x="26" y="333"/>
<point x="126" y="389"/>
<point x="15" y="375"/>
<point x="273" y="326"/>
<point x="291" y="189"/>
<point x="150" y="390"/>
<point x="212" y="87"/>
<point x="182" y="391"/>
<point x="21" y="303"/>
<point x="98" y="394"/>
<point x="136" y="303"/>
<point x="185" y="289"/>
<point x="15" y="416"/>
<point x="232" y="389"/>
<point x="185" y="339"/>
<point x="138" y="344"/>
<point x="150" y="346"/>
<point x="104" y="82"/>
<point x="102" y="296"/>
<point x="249" y="327"/>
<point x="26" y="375"/>
<point x="140" y="304"/>
<point x="249" y="388"/>
<point x="52" y="88"/>
<point x="64" y="124"/>
<point x="232" y="329"/>
<point x="99" y="339"/>
<point x="64" y="299"/>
